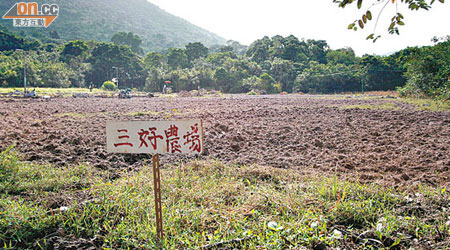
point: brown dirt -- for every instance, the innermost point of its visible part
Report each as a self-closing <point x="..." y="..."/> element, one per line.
<point x="306" y="133"/>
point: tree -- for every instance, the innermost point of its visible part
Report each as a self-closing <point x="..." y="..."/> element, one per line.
<point x="195" y="50"/>
<point x="9" y="41"/>
<point x="55" y="75"/>
<point x="154" y="59"/>
<point x="317" y="50"/>
<point x="284" y="72"/>
<point x="74" y="48"/>
<point x="223" y="79"/>
<point x="428" y="71"/>
<point x="294" y="49"/>
<point x="396" y="20"/>
<point x="344" y="56"/>
<point x="259" y="50"/>
<point x="219" y="58"/>
<point x="177" y="58"/>
<point x="238" y="48"/>
<point x="226" y="48"/>
<point x="328" y="78"/>
<point x="105" y="56"/>
<point x="382" y="73"/>
<point x="9" y="70"/>
<point x="268" y="83"/>
<point x="155" y="80"/>
<point x="129" y="39"/>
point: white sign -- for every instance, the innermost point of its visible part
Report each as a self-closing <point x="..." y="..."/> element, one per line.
<point x="155" y="137"/>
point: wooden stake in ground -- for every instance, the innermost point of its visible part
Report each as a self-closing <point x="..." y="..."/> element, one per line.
<point x="157" y="189"/>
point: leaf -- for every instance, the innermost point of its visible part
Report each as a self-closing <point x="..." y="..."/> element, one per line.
<point x="350" y="26"/>
<point x="391" y="26"/>
<point x="274" y="226"/>
<point x="361" y="24"/>
<point x="359" y="4"/>
<point x="376" y="38"/>
<point x="400" y="23"/>
<point x="369" y="15"/>
<point x="364" y="18"/>
<point x="371" y="36"/>
<point x="413" y="6"/>
<point x="400" y="15"/>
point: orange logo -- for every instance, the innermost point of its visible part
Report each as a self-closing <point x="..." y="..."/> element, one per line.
<point x="30" y="15"/>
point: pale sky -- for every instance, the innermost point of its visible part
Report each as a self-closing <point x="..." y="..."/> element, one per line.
<point x="247" y="20"/>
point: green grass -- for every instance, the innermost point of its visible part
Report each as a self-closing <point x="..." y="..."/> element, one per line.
<point x="26" y="191"/>
<point x="164" y="114"/>
<point x="208" y="202"/>
<point x="377" y="106"/>
<point x="428" y="104"/>
<point x="54" y="90"/>
<point x="145" y="113"/>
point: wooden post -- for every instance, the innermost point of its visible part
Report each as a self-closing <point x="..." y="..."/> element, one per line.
<point x="157" y="189"/>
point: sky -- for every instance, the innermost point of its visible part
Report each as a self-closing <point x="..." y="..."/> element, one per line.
<point x="248" y="20"/>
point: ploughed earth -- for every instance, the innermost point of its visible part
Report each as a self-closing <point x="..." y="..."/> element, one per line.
<point x="370" y="139"/>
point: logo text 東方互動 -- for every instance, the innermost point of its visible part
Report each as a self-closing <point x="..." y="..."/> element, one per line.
<point x="28" y="14"/>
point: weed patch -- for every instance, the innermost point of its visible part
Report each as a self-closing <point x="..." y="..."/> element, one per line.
<point x="378" y="106"/>
<point x="210" y="204"/>
<point x="428" y="104"/>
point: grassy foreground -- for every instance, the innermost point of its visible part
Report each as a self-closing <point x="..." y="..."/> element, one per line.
<point x="209" y="205"/>
<point x="41" y="91"/>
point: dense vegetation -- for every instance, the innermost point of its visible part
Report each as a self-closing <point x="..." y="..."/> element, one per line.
<point x="209" y="205"/>
<point x="269" y="65"/>
<point x="101" y="19"/>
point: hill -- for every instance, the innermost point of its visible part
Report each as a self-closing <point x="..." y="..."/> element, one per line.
<point x="100" y="19"/>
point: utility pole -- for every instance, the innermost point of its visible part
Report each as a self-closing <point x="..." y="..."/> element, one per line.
<point x="24" y="72"/>
<point x="362" y="82"/>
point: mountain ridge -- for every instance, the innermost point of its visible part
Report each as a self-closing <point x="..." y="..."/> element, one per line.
<point x="100" y="19"/>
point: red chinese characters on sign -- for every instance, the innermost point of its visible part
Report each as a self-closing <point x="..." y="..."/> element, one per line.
<point x="123" y="136"/>
<point x="193" y="139"/>
<point x="145" y="135"/>
<point x="155" y="137"/>
<point x="172" y="139"/>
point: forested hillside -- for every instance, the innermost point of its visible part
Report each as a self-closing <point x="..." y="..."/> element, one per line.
<point x="100" y="19"/>
<point x="269" y="65"/>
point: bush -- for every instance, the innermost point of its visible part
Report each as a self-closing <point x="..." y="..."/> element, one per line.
<point x="108" y="85"/>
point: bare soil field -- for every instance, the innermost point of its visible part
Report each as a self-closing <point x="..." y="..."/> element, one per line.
<point x="375" y="139"/>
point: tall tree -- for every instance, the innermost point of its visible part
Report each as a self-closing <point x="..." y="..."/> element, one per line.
<point x="429" y="71"/>
<point x="105" y="56"/>
<point x="9" y="41"/>
<point x="129" y="39"/>
<point x="345" y="56"/>
<point x="195" y="50"/>
<point x="75" y="48"/>
<point x="177" y="58"/>
<point x="154" y="59"/>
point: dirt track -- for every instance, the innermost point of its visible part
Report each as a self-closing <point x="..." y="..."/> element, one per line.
<point x="306" y="133"/>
